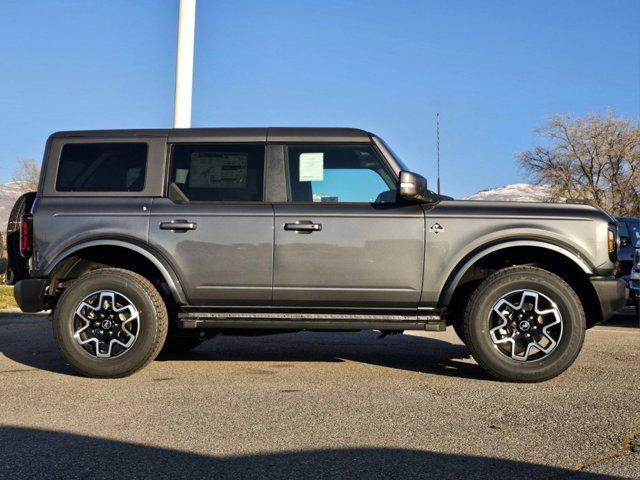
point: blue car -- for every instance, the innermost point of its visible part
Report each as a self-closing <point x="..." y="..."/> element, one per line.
<point x="629" y="240"/>
<point x="634" y="281"/>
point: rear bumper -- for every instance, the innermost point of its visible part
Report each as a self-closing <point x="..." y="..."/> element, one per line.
<point x="30" y="294"/>
<point x="612" y="294"/>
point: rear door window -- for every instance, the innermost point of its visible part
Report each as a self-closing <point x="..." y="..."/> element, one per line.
<point x="218" y="173"/>
<point x="102" y="167"/>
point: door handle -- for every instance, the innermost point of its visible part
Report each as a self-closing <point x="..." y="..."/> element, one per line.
<point x="178" y="225"/>
<point x="303" y="226"/>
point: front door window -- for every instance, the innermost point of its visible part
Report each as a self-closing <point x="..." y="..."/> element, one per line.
<point x="337" y="174"/>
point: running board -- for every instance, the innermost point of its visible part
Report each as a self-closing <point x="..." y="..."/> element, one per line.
<point x="309" y="321"/>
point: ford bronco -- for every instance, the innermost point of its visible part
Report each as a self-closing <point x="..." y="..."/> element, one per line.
<point x="144" y="240"/>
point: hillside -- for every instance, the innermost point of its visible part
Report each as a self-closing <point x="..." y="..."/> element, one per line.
<point x="517" y="192"/>
<point x="9" y="193"/>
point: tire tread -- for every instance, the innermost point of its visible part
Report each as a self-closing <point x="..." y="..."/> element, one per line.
<point x="525" y="270"/>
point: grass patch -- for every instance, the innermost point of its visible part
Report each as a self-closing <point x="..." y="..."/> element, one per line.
<point x="6" y="297"/>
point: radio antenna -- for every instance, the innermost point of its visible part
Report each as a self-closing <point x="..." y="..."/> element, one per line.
<point x="438" y="147"/>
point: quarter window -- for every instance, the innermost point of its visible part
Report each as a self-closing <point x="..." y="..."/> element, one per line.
<point x="219" y="173"/>
<point x="102" y="167"/>
<point x="338" y="174"/>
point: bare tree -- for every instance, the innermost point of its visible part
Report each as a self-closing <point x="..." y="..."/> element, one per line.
<point x="27" y="173"/>
<point x="595" y="158"/>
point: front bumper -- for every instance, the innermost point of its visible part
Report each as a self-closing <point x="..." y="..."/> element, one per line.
<point x="612" y="294"/>
<point x="30" y="294"/>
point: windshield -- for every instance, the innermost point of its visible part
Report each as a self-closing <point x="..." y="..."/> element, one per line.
<point x="398" y="160"/>
<point x="634" y="231"/>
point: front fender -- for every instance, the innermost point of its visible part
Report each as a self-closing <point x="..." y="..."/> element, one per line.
<point x="464" y="265"/>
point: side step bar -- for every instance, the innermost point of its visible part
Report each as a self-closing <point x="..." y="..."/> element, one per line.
<point x="309" y="321"/>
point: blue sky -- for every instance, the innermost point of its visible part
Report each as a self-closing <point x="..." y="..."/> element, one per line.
<point x="493" y="69"/>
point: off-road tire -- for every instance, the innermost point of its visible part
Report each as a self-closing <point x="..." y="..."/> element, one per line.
<point x="475" y="324"/>
<point x="153" y="323"/>
<point x="457" y="327"/>
<point x="17" y="266"/>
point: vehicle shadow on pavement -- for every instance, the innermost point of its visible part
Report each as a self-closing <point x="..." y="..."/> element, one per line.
<point x="28" y="341"/>
<point x="33" y="453"/>
<point x="625" y="318"/>
<point x="403" y="352"/>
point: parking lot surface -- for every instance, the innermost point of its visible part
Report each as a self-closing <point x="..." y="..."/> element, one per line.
<point x="318" y="405"/>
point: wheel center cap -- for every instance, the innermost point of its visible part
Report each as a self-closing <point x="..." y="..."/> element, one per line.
<point x="524" y="325"/>
<point x="106" y="324"/>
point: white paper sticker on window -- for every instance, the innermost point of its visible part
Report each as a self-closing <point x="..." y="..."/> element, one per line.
<point x="181" y="175"/>
<point x="311" y="167"/>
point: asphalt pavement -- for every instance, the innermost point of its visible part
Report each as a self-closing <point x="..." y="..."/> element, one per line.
<point x="318" y="405"/>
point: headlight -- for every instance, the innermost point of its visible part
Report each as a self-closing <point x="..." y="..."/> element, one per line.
<point x="636" y="261"/>
<point x="613" y="242"/>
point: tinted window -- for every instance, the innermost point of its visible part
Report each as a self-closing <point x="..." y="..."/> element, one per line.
<point x="338" y="173"/>
<point x="219" y="173"/>
<point x="624" y="231"/>
<point x="633" y="231"/>
<point x="102" y="167"/>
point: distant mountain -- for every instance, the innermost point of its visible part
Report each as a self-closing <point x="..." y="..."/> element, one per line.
<point x="517" y="192"/>
<point x="9" y="193"/>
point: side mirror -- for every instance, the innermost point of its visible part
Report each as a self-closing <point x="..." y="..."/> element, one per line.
<point x="625" y="242"/>
<point x="413" y="187"/>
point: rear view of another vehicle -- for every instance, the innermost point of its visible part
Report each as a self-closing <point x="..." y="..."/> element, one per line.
<point x="629" y="243"/>
<point x="634" y="281"/>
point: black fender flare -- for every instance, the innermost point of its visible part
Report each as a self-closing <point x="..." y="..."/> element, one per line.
<point x="463" y="266"/>
<point x="166" y="270"/>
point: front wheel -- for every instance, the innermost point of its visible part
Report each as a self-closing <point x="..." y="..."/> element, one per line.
<point x="524" y="324"/>
<point x="110" y="323"/>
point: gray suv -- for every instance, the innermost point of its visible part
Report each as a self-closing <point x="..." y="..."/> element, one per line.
<point x="146" y="240"/>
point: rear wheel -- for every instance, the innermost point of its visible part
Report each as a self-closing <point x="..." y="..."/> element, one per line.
<point x="110" y="323"/>
<point x="524" y="324"/>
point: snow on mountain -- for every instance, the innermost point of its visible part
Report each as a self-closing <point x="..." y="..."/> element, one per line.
<point x="517" y="192"/>
<point x="9" y="193"/>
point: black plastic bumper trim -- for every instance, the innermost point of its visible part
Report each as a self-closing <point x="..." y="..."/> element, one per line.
<point x="612" y="294"/>
<point x="29" y="294"/>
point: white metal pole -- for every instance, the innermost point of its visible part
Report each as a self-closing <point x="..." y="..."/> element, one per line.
<point x="184" y="63"/>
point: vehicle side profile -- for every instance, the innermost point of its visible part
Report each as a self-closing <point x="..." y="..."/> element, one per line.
<point x="139" y="241"/>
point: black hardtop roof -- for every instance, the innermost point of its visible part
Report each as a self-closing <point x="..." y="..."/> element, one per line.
<point x="272" y="134"/>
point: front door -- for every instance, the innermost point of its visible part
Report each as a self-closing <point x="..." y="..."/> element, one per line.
<point x="214" y="227"/>
<point x="343" y="239"/>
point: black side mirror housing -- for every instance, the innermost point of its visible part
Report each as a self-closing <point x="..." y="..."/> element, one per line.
<point x="413" y="187"/>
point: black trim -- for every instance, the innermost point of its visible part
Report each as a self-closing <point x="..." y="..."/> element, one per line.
<point x="271" y="324"/>
<point x="30" y="295"/>
<point x="612" y="294"/>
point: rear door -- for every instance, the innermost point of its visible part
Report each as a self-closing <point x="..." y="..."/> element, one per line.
<point x="342" y="239"/>
<point x="214" y="226"/>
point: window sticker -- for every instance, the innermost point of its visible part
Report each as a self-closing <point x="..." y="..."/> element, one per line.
<point x="311" y="167"/>
<point x="181" y="175"/>
<point x="218" y="170"/>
